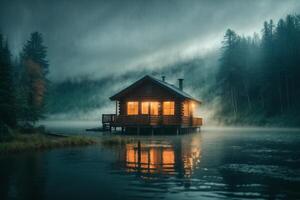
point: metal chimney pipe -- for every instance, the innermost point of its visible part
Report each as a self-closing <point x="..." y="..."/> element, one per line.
<point x="180" y="83"/>
<point x="163" y="78"/>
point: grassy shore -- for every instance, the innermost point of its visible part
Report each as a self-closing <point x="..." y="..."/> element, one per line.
<point x="40" y="141"/>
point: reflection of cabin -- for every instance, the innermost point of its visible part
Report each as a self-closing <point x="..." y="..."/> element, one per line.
<point x="155" y="104"/>
<point x="151" y="157"/>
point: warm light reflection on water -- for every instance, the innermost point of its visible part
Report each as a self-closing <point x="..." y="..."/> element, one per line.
<point x="152" y="156"/>
<point x="149" y="159"/>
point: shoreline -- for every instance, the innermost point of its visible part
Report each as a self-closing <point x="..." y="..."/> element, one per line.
<point x="20" y="142"/>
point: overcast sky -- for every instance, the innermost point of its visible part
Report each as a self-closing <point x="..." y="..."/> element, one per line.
<point x="100" y="37"/>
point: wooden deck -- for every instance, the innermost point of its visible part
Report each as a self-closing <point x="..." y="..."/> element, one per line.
<point x="111" y="120"/>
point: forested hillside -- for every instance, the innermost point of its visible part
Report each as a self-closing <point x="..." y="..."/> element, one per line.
<point x="259" y="78"/>
<point x="249" y="81"/>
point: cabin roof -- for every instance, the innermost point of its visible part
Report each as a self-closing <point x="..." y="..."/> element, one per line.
<point x="170" y="87"/>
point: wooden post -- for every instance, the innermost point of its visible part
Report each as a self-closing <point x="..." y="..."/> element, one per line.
<point x="160" y="112"/>
<point x="138" y="130"/>
<point x="139" y="154"/>
<point x="149" y="113"/>
<point x="116" y="108"/>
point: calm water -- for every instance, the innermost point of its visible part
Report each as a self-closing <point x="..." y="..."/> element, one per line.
<point x="213" y="164"/>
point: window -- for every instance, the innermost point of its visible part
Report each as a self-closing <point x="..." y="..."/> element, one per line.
<point x="192" y="107"/>
<point x="185" y="109"/>
<point x="145" y="108"/>
<point x="168" y="107"/>
<point x="154" y="108"/>
<point x="132" y="108"/>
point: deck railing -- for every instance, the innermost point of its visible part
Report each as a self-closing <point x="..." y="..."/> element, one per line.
<point x="197" y="121"/>
<point x="191" y="121"/>
<point x="108" y="118"/>
<point x="152" y="120"/>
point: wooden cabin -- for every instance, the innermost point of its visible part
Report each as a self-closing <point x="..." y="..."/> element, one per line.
<point x="153" y="104"/>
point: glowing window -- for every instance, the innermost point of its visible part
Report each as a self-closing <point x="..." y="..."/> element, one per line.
<point x="154" y="108"/>
<point x="132" y="108"/>
<point x="192" y="108"/>
<point x="168" y="107"/>
<point x="145" y="108"/>
<point x="185" y="109"/>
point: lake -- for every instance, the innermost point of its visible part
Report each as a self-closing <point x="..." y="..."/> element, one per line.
<point x="221" y="163"/>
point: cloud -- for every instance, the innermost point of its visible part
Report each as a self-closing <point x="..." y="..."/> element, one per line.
<point x="102" y="37"/>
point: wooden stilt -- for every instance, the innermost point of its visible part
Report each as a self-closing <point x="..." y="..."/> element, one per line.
<point x="138" y="130"/>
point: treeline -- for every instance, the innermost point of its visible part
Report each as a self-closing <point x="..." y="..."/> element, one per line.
<point x="23" y="83"/>
<point x="78" y="95"/>
<point x="259" y="77"/>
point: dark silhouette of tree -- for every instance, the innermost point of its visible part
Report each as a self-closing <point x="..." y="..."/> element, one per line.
<point x="233" y="77"/>
<point x="34" y="78"/>
<point x="7" y="93"/>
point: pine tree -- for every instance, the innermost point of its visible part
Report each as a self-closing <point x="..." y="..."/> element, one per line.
<point x="34" y="78"/>
<point x="7" y="95"/>
<point x="228" y="75"/>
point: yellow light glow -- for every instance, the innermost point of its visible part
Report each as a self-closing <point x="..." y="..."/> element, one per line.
<point x="145" y="108"/>
<point x="192" y="108"/>
<point x="132" y="108"/>
<point x="154" y="108"/>
<point x="168" y="157"/>
<point x="168" y="107"/>
<point x="151" y="159"/>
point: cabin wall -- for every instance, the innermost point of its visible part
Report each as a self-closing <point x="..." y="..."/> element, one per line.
<point x="179" y="105"/>
<point x="122" y="107"/>
<point x="149" y="92"/>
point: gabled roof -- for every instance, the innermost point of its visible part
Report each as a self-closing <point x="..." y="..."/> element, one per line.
<point x="172" y="88"/>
